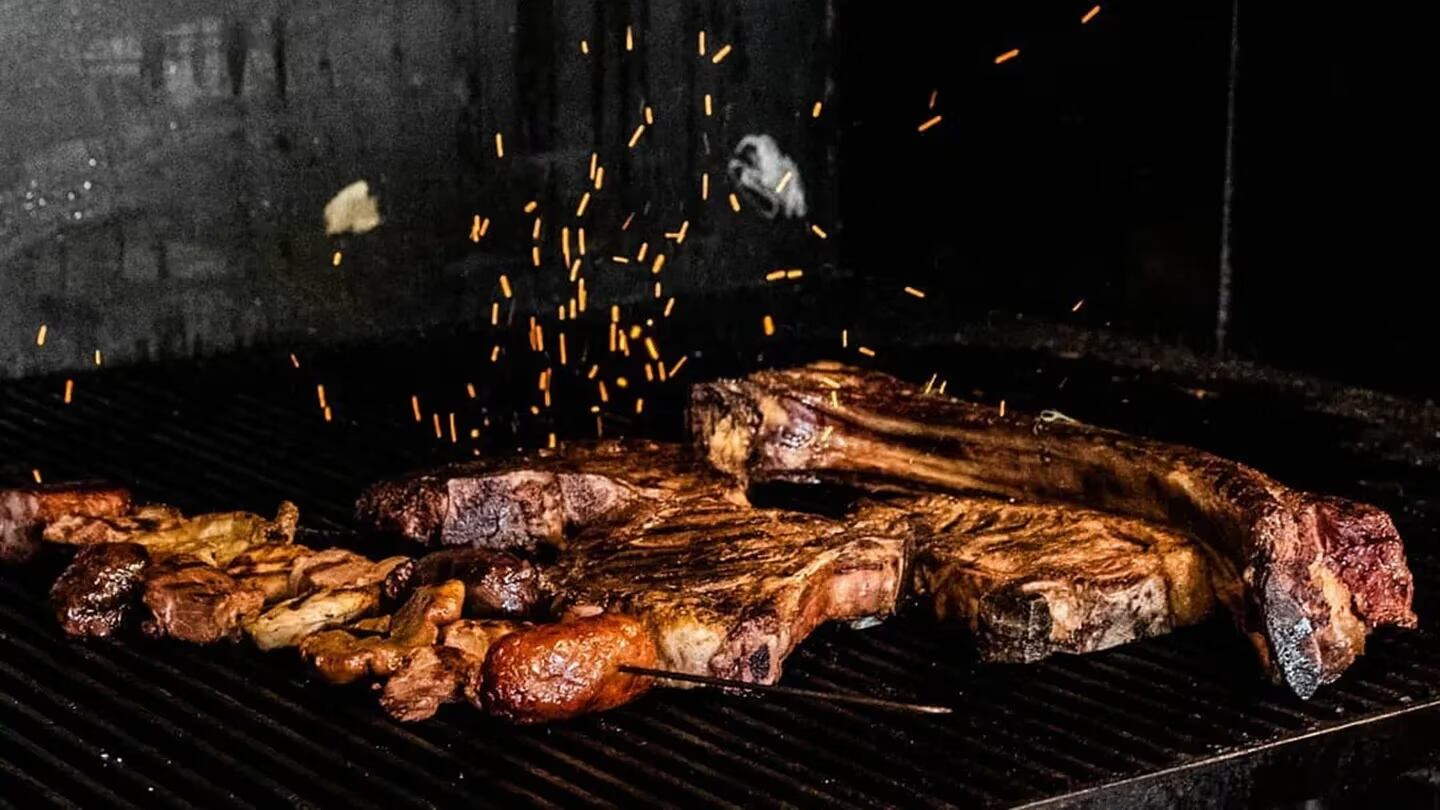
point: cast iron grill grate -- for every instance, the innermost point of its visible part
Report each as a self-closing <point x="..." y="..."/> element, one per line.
<point x="156" y="724"/>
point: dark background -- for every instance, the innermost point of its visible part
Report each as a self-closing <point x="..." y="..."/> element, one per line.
<point x="1091" y="167"/>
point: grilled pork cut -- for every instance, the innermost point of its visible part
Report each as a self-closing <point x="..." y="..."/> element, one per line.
<point x="1318" y="572"/>
<point x="1032" y="580"/>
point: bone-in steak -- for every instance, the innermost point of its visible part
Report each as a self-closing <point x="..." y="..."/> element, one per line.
<point x="1318" y="572"/>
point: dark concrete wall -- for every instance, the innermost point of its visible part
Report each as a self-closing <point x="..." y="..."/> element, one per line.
<point x="164" y="164"/>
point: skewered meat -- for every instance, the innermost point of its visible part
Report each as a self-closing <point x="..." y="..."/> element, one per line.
<point x="216" y="539"/>
<point x="562" y="670"/>
<point x="1318" y="572"/>
<point x="24" y="513"/>
<point x="192" y="601"/>
<point x="497" y="583"/>
<point x="1036" y="579"/>
<point x="343" y="656"/>
<point x="100" y="589"/>
<point x="530" y="501"/>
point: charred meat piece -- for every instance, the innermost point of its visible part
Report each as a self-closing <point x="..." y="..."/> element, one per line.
<point x="216" y="539"/>
<point x="24" y="513"/>
<point x="339" y="568"/>
<point x="1036" y="579"/>
<point x="342" y="656"/>
<point x="730" y="591"/>
<point x="556" y="671"/>
<point x="430" y="678"/>
<point x="100" y="589"/>
<point x="1318" y="572"/>
<point x="476" y="636"/>
<point x="192" y="601"/>
<point x="497" y="583"/>
<point x="293" y="620"/>
<point x="268" y="568"/>
<point x="532" y="501"/>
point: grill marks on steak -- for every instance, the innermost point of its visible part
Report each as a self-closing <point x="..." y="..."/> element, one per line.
<point x="190" y="600"/>
<point x="730" y="591"/>
<point x="1032" y="580"/>
<point x="1318" y="572"/>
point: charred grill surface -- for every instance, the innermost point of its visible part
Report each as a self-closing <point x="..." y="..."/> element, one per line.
<point x="1319" y="572"/>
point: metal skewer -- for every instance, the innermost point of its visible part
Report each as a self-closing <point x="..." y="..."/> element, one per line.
<point x="740" y="687"/>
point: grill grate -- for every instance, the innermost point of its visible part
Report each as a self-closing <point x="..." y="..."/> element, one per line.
<point x="158" y="724"/>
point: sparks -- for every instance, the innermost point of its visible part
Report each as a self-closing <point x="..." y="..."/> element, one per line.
<point x="1078" y="305"/>
<point x="600" y="178"/>
<point x="720" y="55"/>
<point x="495" y="353"/>
<point x="585" y="47"/>
<point x="100" y="359"/>
<point x="594" y="163"/>
<point x="327" y="413"/>
<point x="640" y="254"/>
<point x="335" y="259"/>
<point x="775" y="275"/>
<point x="320" y="395"/>
<point x="639" y="404"/>
<point x="415" y="406"/>
<point x="531" y="206"/>
<point x="36" y="473"/>
<point x="1007" y="56"/>
<point x="844" y="338"/>
<point x="454" y="436"/>
<point x="700" y="44"/>
<point x="629" y="45"/>
<point x="709" y="106"/>
<point x="818" y="231"/>
<point x="669" y="307"/>
<point x="40" y="335"/>
<point x="659" y="263"/>
<point x="1090" y="15"/>
<point x="635" y="138"/>
<point x="651" y="348"/>
<point x="584" y="203"/>
<point x="494" y="313"/>
<point x="705" y="185"/>
<point x="815" y="110"/>
<point x="915" y="292"/>
<point x="562" y="348"/>
<point x="625" y="226"/>
<point x="649" y="115"/>
<point x="535" y="230"/>
<point x="784" y="181"/>
<point x="928" y="124"/>
<point x="791" y="275"/>
<point x="734" y="203"/>
<point x="499" y="145"/>
<point x="475" y="232"/>
<point x="865" y="350"/>
<point x="768" y="324"/>
<point x="535" y="255"/>
<point x="1002" y="408"/>
<point x="470" y="390"/>
<point x="678" y="363"/>
<point x="69" y="391"/>
<point x="580" y="239"/>
<point x="505" y="286"/>
<point x="934" y="96"/>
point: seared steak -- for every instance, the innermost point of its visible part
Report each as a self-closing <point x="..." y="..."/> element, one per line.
<point x="1036" y="579"/>
<point x="192" y="601"/>
<point x="100" y="589"/>
<point x="1318" y="572"/>
<point x="530" y="501"/>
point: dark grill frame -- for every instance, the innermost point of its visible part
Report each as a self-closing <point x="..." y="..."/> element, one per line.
<point x="1178" y="719"/>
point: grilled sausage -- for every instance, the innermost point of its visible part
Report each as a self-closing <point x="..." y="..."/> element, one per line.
<point x="556" y="671"/>
<point x="24" y="512"/>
